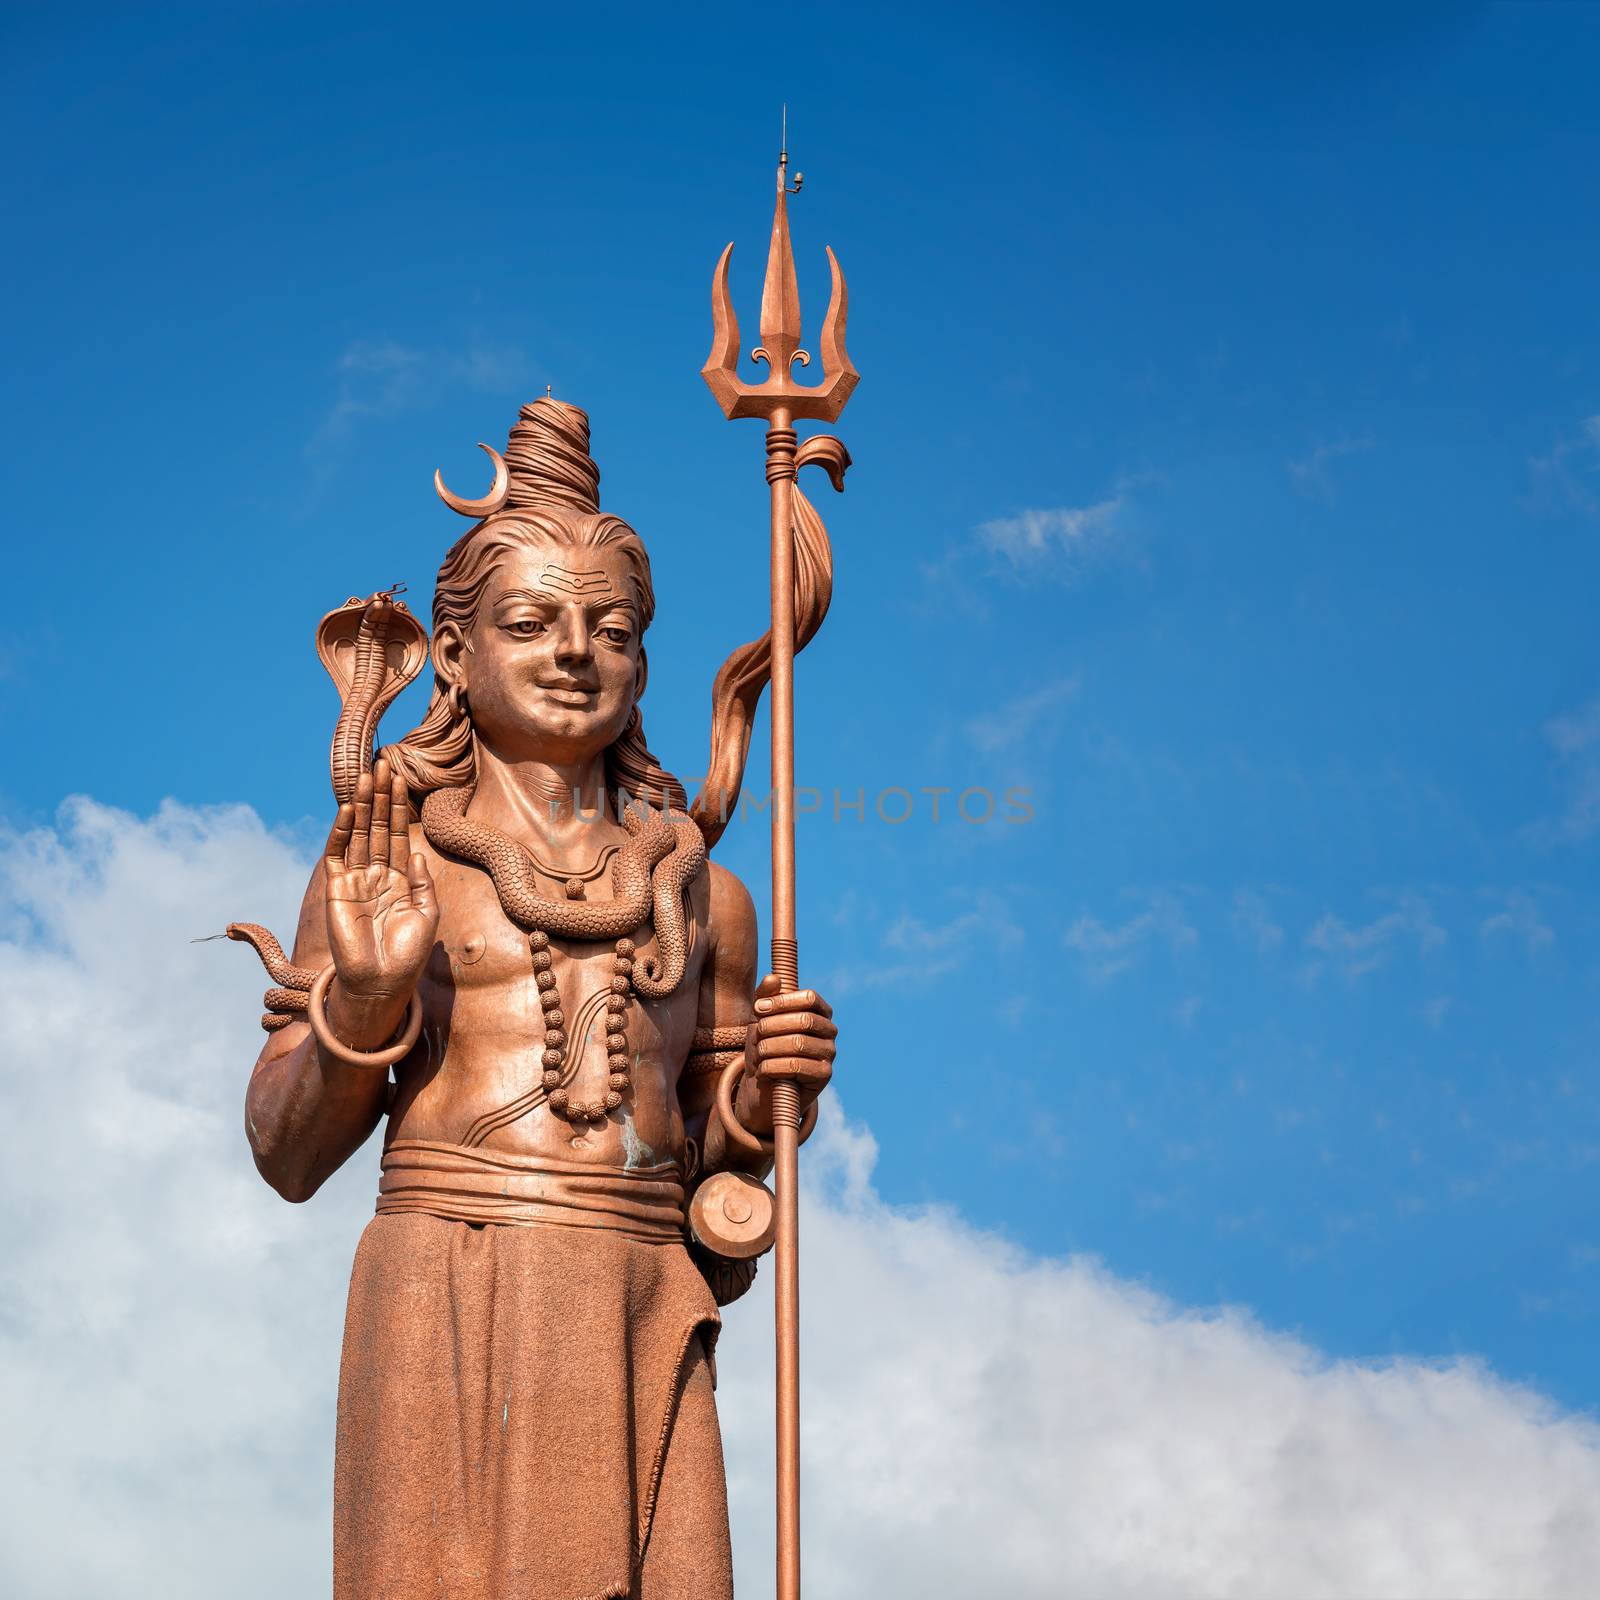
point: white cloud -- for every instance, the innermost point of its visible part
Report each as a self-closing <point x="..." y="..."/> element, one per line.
<point x="923" y="951"/>
<point x="1519" y="918"/>
<point x="978" y="1421"/>
<point x="1059" y="541"/>
<point x="171" y="1327"/>
<point x="1577" y="732"/>
<point x="1568" y="477"/>
<point x="1110" y="948"/>
<point x="1059" y="544"/>
<point x="377" y="378"/>
<point x="1575" y="738"/>
<point x="914" y="936"/>
<point x="1311" y="474"/>
<point x="1362" y="948"/>
<point x="380" y="378"/>
<point x="1009" y="724"/>
<point x="1253" y="921"/>
<point x="984" y="1423"/>
<point x="1434" y="1012"/>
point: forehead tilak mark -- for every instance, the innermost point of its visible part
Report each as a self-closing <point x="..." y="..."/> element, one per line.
<point x="581" y="584"/>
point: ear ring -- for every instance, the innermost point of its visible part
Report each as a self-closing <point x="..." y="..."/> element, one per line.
<point x="455" y="696"/>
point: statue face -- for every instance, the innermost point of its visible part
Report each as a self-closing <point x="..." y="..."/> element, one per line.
<point x="552" y="669"/>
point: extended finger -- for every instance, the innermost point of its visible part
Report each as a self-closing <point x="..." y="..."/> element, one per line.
<point x="794" y="1000"/>
<point x="339" y="836"/>
<point x="769" y="986"/>
<point x="420" y="882"/>
<point x="812" y="1022"/>
<point x="399" y="824"/>
<point x="361" y="834"/>
<point x="795" y="1044"/>
<point x="378" y="844"/>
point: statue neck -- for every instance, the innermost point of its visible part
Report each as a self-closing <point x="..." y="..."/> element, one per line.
<point x="550" y="800"/>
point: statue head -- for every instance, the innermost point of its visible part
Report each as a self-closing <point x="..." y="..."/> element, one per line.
<point x="539" y="616"/>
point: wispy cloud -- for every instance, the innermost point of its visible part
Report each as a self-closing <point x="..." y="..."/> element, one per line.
<point x="1575" y="738"/>
<point x="1364" y="947"/>
<point x="1058" y="542"/>
<point x="1568" y="477"/>
<point x="1253" y="921"/>
<point x="1311" y="474"/>
<point x="1577" y="732"/>
<point x="1051" y="544"/>
<point x="1435" y="1011"/>
<point x="914" y="936"/>
<point x="381" y="378"/>
<point x="1519" y="918"/>
<point x="377" y="378"/>
<point x="1107" y="949"/>
<point x="920" y="951"/>
<point x="1010" y="724"/>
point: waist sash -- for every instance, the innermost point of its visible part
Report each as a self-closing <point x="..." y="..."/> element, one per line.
<point x="476" y="1185"/>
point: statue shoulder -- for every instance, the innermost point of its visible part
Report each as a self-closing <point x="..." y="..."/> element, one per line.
<point x="731" y="913"/>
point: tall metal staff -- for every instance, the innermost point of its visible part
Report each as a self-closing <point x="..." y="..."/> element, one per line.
<point x="783" y="402"/>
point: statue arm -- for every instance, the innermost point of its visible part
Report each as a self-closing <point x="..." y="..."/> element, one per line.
<point x="306" y="1113"/>
<point x="727" y="989"/>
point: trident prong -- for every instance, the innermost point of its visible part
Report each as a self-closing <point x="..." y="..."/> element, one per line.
<point x="780" y="336"/>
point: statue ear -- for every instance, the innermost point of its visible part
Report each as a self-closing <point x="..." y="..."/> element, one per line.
<point x="450" y="650"/>
<point x="644" y="676"/>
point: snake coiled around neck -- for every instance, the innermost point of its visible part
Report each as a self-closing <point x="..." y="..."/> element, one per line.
<point x="664" y="854"/>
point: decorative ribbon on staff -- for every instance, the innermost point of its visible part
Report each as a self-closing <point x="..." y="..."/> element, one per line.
<point x="783" y="402"/>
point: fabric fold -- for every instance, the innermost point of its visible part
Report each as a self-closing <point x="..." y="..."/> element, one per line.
<point x="516" y="1401"/>
<point x="474" y="1184"/>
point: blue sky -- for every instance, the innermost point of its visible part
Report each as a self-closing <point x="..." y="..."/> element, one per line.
<point x="1228" y="477"/>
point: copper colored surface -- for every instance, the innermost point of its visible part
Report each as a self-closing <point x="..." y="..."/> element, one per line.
<point x="727" y="1093"/>
<point x="327" y="1041"/>
<point x="782" y="401"/>
<point x="491" y="502"/>
<point x="732" y="1214"/>
<point x="780" y="336"/>
<point x="372" y="649"/>
<point x="525" y="1403"/>
<point x="516" y="1406"/>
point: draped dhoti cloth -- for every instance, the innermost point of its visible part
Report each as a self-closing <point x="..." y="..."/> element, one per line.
<point x="525" y="1395"/>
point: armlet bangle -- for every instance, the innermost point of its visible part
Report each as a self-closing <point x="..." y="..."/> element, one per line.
<point x="317" y="1016"/>
<point x="735" y="1130"/>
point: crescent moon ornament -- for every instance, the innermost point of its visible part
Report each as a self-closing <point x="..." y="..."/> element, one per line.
<point x="491" y="502"/>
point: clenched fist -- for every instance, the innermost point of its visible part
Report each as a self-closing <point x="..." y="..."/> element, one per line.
<point x="792" y="1039"/>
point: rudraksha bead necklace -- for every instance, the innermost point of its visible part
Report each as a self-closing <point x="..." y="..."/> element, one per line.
<point x="555" y="1035"/>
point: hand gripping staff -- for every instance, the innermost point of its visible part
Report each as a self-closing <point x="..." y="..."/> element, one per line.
<point x="783" y="402"/>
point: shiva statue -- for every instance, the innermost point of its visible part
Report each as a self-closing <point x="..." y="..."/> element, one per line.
<point x="517" y="958"/>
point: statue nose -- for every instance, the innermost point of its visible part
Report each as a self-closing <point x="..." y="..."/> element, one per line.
<point x="572" y="637"/>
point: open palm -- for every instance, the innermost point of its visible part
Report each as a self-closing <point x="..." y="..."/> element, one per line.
<point x="381" y="907"/>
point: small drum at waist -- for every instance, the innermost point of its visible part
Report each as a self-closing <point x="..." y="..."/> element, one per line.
<point x="732" y="1215"/>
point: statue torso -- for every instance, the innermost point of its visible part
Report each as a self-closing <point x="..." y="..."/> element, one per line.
<point x="480" y="1053"/>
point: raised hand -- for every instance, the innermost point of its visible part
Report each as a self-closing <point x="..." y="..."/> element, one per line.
<point x="381" y="908"/>
<point x="793" y="1037"/>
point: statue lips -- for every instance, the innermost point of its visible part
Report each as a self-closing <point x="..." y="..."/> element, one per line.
<point x="570" y="692"/>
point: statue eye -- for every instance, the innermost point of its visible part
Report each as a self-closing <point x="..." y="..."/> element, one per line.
<point x="617" y="636"/>
<point x="525" y="627"/>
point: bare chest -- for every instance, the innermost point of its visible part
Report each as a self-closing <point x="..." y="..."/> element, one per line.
<point x="481" y="991"/>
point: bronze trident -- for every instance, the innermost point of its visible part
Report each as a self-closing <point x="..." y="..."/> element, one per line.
<point x="782" y="402"/>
